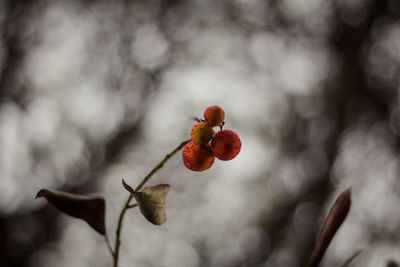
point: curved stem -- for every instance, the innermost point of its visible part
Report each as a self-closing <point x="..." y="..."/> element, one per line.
<point x="119" y="229"/>
<point x="108" y="244"/>
<point x="128" y="200"/>
<point x="132" y="206"/>
<point x="159" y="165"/>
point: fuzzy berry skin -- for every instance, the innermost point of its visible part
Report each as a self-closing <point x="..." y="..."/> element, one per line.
<point x="201" y="133"/>
<point x="225" y="145"/>
<point x="214" y="115"/>
<point x="197" y="157"/>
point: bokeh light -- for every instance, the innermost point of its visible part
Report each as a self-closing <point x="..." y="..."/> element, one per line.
<point x="92" y="92"/>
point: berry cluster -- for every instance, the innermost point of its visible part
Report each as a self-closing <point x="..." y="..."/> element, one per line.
<point x="199" y="153"/>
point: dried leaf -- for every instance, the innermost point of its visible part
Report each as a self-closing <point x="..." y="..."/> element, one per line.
<point x="335" y="219"/>
<point x="88" y="208"/>
<point x="127" y="187"/>
<point x="151" y="202"/>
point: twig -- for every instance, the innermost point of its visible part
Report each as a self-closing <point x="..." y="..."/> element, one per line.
<point x="108" y="244"/>
<point x="119" y="228"/>
<point x="128" y="200"/>
<point x="132" y="206"/>
<point x="159" y="165"/>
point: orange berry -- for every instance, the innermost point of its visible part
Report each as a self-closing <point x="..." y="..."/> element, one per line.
<point x="225" y="145"/>
<point x="201" y="133"/>
<point x="214" y="115"/>
<point x="197" y="157"/>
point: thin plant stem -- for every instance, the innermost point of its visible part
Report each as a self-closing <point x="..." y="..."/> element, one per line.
<point x="159" y="165"/>
<point x="128" y="200"/>
<point x="132" y="206"/>
<point x="108" y="244"/>
<point x="119" y="229"/>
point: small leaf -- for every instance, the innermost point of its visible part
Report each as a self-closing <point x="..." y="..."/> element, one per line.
<point x="127" y="187"/>
<point x="151" y="202"/>
<point x="88" y="208"/>
<point x="335" y="219"/>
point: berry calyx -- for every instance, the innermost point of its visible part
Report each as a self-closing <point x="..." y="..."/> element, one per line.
<point x="214" y="115"/>
<point x="197" y="157"/>
<point x="201" y="133"/>
<point x="226" y="145"/>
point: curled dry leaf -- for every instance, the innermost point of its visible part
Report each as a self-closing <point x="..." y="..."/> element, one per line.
<point x="127" y="186"/>
<point x="88" y="208"/>
<point x="151" y="202"/>
<point x="335" y="219"/>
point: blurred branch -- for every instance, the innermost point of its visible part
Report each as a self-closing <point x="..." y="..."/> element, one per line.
<point x="351" y="82"/>
<point x="351" y="258"/>
<point x="132" y="206"/>
<point x="13" y="252"/>
<point x="107" y="240"/>
<point x="12" y="30"/>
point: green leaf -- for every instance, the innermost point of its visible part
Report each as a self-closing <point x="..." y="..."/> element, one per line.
<point x="88" y="208"/>
<point x="335" y="219"/>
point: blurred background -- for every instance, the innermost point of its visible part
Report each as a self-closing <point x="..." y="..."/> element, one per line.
<point x="95" y="91"/>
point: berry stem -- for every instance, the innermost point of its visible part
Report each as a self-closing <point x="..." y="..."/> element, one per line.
<point x="132" y="206"/>
<point x="222" y="125"/>
<point x="159" y="165"/>
<point x="108" y="244"/>
<point x="128" y="200"/>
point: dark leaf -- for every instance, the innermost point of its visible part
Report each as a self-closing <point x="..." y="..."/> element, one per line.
<point x="392" y="263"/>
<point x="151" y="202"/>
<point x="336" y="217"/>
<point x="88" y="208"/>
<point x="127" y="187"/>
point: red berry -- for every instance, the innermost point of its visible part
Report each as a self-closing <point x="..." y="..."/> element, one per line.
<point x="226" y="145"/>
<point x="202" y="133"/>
<point x="197" y="157"/>
<point x="214" y="115"/>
